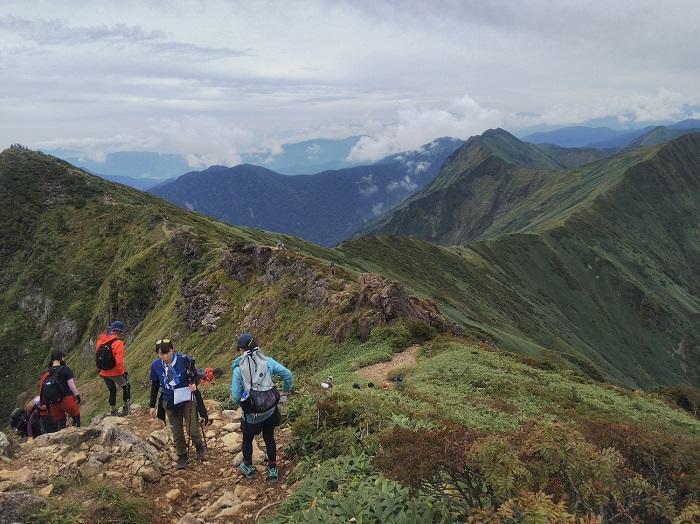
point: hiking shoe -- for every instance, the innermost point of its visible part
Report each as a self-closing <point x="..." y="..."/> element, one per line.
<point x="125" y="411"/>
<point x="200" y="453"/>
<point x="273" y="473"/>
<point x="114" y="412"/>
<point x="247" y="469"/>
<point x="181" y="462"/>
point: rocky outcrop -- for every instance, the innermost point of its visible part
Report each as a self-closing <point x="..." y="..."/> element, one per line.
<point x="350" y="309"/>
<point x="15" y="506"/>
<point x="203" y="304"/>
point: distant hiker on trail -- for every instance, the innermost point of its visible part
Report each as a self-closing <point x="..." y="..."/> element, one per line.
<point x="332" y="269"/>
<point x="253" y="389"/>
<point x="280" y="245"/>
<point x="31" y="421"/>
<point x="175" y="374"/>
<point x="58" y="393"/>
<point x="207" y="375"/>
<point x="109" y="360"/>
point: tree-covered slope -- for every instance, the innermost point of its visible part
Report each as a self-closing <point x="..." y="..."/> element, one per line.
<point x="324" y="208"/>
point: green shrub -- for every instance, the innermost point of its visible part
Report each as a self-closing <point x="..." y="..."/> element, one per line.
<point x="345" y="488"/>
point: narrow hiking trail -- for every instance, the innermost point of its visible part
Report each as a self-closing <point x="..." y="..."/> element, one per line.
<point x="136" y="453"/>
<point x="378" y="372"/>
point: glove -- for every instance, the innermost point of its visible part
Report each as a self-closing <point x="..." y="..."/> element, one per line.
<point x="77" y="399"/>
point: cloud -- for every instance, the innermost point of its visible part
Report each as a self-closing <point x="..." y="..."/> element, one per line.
<point x="406" y="183"/>
<point x="369" y="186"/>
<point x="377" y="209"/>
<point x="312" y="151"/>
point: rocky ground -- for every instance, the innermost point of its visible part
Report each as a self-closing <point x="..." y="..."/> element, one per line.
<point x="136" y="453"/>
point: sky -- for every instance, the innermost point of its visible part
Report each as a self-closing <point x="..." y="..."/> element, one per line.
<point x="211" y="79"/>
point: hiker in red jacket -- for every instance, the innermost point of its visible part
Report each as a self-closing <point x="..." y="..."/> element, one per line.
<point x="109" y="359"/>
<point x="58" y="392"/>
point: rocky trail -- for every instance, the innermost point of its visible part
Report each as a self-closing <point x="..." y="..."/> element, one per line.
<point x="136" y="453"/>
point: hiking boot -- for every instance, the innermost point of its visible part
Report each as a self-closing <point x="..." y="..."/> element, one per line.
<point x="247" y="469"/>
<point x="273" y="473"/>
<point x="125" y="411"/>
<point x="200" y="453"/>
<point x="181" y="462"/>
<point x="114" y="412"/>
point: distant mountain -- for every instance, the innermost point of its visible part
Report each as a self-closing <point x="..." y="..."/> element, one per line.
<point x="660" y="135"/>
<point x="324" y="208"/>
<point x="600" y="260"/>
<point x="459" y="204"/>
<point x="576" y="136"/>
<point x="129" y="164"/>
<point x="142" y="184"/>
<point x="310" y="156"/>
<point x="600" y="137"/>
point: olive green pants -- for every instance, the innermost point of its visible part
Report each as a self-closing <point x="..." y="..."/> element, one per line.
<point x="184" y="415"/>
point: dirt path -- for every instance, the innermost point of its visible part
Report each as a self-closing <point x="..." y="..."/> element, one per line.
<point x="378" y="372"/>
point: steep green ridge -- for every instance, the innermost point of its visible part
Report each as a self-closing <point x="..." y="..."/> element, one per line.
<point x="78" y="252"/>
<point x="602" y="263"/>
<point x="488" y="186"/>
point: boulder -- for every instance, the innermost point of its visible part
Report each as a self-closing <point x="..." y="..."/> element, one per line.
<point x="237" y="510"/>
<point x="189" y="518"/>
<point x="150" y="474"/>
<point x="15" y="505"/>
<point x="232" y="442"/>
<point x="4" y="444"/>
<point x="91" y="469"/>
<point x="232" y="426"/>
<point x="226" y="500"/>
<point x="173" y="495"/>
<point x="258" y="455"/>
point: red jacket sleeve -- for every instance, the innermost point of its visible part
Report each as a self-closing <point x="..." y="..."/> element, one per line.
<point x="118" y="352"/>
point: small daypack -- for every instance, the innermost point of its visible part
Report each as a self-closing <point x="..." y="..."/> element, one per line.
<point x="262" y="395"/>
<point x="52" y="390"/>
<point x="19" y="420"/>
<point x="104" y="358"/>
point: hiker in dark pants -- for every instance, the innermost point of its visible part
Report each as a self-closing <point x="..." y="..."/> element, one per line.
<point x="252" y="381"/>
<point x="176" y="375"/>
<point x="114" y="371"/>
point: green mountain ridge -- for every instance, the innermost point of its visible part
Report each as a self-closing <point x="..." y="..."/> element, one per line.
<point x="600" y="261"/>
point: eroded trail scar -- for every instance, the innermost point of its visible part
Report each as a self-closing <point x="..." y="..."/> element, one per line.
<point x="378" y="372"/>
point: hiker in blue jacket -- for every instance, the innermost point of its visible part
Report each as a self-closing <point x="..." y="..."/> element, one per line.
<point x="252" y="387"/>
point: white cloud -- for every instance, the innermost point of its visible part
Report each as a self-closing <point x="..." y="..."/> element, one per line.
<point x="312" y="151"/>
<point x="406" y="183"/>
<point x="377" y="209"/>
<point x="367" y="185"/>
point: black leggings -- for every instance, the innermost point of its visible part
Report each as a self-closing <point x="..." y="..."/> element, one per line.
<point x="112" y="387"/>
<point x="267" y="427"/>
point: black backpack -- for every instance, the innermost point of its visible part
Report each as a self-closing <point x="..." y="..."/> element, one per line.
<point x="52" y="390"/>
<point x="104" y="358"/>
<point x="19" y="420"/>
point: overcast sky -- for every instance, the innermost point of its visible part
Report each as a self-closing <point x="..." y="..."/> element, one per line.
<point x="212" y="79"/>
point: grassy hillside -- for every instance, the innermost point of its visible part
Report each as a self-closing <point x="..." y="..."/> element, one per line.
<point x="495" y="430"/>
<point x="600" y="262"/>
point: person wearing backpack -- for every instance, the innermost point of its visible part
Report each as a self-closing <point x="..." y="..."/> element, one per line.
<point x="109" y="360"/>
<point x="253" y="389"/>
<point x="176" y="375"/>
<point x="58" y="392"/>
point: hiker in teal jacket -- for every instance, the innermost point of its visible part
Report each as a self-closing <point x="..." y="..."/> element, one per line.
<point x="255" y="423"/>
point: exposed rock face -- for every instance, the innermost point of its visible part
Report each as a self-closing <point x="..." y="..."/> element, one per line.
<point x="355" y="310"/>
<point x="204" y="303"/>
<point x="60" y="333"/>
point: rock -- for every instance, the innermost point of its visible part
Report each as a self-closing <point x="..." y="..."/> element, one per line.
<point x="150" y="474"/>
<point x="210" y="434"/>
<point x="232" y="442"/>
<point x="4" y="444"/>
<point x="23" y="477"/>
<point x="46" y="491"/>
<point x="202" y="488"/>
<point x="92" y="468"/>
<point x="189" y="518"/>
<point x="159" y="438"/>
<point x="231" y="426"/>
<point x="226" y="500"/>
<point x="78" y="459"/>
<point x="214" y="416"/>
<point x="173" y="495"/>
<point x="239" y="509"/>
<point x="212" y="405"/>
<point x="15" y="505"/>
<point x="135" y="407"/>
<point x="230" y="414"/>
<point x="113" y="421"/>
<point x="244" y="492"/>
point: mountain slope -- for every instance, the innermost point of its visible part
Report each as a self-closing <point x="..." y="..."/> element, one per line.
<point x="323" y="208"/>
<point x="601" y="262"/>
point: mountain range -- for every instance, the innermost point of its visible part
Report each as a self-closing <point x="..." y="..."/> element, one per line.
<point x="325" y="208"/>
<point x="600" y="260"/>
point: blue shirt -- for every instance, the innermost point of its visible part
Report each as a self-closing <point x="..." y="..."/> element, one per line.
<point x="275" y="368"/>
<point x="176" y="372"/>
